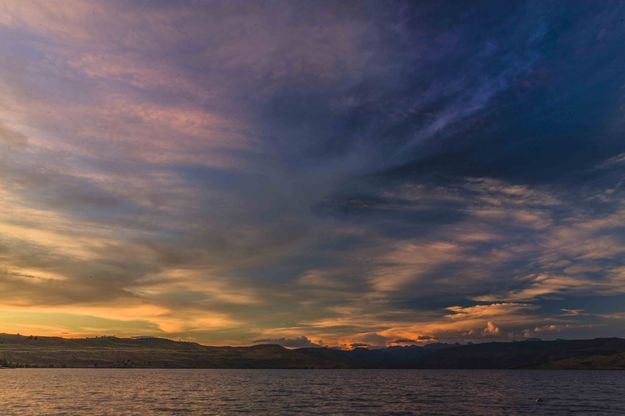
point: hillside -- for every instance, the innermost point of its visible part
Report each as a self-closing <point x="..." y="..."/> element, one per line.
<point x="564" y="354"/>
<point x="33" y="351"/>
<point x="23" y="351"/>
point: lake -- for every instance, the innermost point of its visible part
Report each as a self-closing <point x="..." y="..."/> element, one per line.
<point x="316" y="392"/>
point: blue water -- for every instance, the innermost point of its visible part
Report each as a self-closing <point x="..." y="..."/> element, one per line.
<point x="309" y="392"/>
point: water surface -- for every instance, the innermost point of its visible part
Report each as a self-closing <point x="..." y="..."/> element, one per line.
<point x="316" y="392"/>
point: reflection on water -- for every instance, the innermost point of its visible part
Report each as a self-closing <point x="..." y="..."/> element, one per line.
<point x="323" y="392"/>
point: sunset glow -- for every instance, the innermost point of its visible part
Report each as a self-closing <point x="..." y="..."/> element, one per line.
<point x="346" y="174"/>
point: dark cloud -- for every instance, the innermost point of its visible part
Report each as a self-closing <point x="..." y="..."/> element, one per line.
<point x="359" y="345"/>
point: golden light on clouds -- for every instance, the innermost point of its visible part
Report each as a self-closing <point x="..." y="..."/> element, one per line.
<point x="226" y="173"/>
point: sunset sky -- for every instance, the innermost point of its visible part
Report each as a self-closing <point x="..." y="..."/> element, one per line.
<point x="313" y="172"/>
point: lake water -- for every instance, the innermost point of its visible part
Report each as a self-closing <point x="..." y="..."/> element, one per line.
<point x="316" y="392"/>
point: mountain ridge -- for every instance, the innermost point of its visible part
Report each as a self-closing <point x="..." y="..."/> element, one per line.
<point x="154" y="352"/>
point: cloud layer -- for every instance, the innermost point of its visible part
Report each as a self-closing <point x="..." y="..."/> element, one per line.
<point x="328" y="173"/>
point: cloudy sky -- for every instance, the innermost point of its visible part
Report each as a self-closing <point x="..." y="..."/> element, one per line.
<point x="322" y="172"/>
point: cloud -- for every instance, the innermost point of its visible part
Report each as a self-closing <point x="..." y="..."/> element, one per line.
<point x="297" y="342"/>
<point x="572" y="312"/>
<point x="11" y="137"/>
<point x="231" y="171"/>
<point x="481" y="311"/>
<point x="355" y="345"/>
<point x="491" y="329"/>
<point x="420" y="340"/>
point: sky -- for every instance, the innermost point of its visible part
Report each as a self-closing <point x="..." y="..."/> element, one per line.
<point x="305" y="173"/>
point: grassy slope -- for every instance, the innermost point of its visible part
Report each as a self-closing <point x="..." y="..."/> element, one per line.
<point x="152" y="352"/>
<point x="528" y="354"/>
<point x="20" y="351"/>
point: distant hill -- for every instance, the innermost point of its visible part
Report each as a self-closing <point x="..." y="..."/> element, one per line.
<point x="604" y="353"/>
<point x="146" y="352"/>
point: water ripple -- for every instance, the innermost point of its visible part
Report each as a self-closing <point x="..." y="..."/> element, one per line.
<point x="56" y="392"/>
